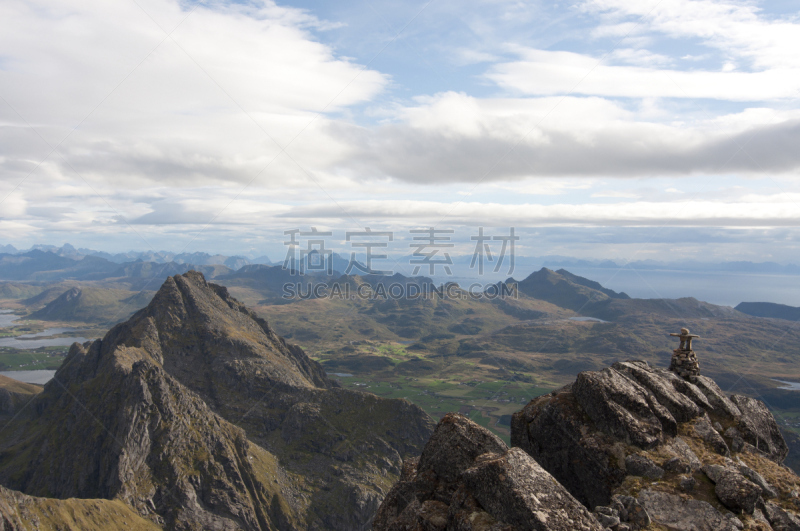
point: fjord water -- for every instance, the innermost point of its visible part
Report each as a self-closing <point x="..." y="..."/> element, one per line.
<point x="6" y="318"/>
<point x="42" y="339"/>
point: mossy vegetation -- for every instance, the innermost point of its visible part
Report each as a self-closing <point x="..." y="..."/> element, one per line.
<point x="47" y="514"/>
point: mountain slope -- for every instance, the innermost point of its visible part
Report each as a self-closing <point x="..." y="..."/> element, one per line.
<point x="92" y="305"/>
<point x="19" y="512"/>
<point x="198" y="415"/>
<point x="565" y="289"/>
<point x="590" y="298"/>
<point x="14" y="395"/>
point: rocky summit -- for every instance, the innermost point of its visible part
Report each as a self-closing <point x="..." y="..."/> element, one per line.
<point x="194" y="414"/>
<point x="468" y="479"/>
<point x="639" y="447"/>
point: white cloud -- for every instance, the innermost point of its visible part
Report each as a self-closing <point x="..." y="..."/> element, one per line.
<point x="755" y="55"/>
<point x="456" y="138"/>
<point x="738" y="28"/>
<point x="642" y="213"/>
<point x="544" y="72"/>
<point x="177" y="140"/>
<point x="640" y="57"/>
<point x="240" y="83"/>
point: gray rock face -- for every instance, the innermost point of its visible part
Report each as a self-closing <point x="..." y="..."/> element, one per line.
<point x="721" y="404"/>
<point x="467" y="479"/>
<point x="767" y="490"/>
<point x="622" y="408"/>
<point x="758" y="427"/>
<point x="682" y="451"/>
<point x="714" y="472"/>
<point x="676" y="465"/>
<point x="582" y="433"/>
<point x="687" y="483"/>
<point x="454" y="446"/>
<point x="552" y="429"/>
<point x="638" y="465"/>
<point x="736" y="492"/>
<point x="686" y="515"/>
<point x="703" y="428"/>
<point x="515" y="489"/>
<point x="664" y="386"/>
<point x="779" y="519"/>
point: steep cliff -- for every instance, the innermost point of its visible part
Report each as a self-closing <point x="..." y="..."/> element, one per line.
<point x="198" y="416"/>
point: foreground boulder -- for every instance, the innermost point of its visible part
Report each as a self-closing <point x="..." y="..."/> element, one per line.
<point x="677" y="449"/>
<point x="468" y="479"/>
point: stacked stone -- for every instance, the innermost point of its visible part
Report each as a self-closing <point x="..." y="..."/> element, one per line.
<point x="684" y="363"/>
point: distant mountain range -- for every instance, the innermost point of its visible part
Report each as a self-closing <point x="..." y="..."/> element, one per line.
<point x="158" y="257"/>
<point x="462" y="263"/>
<point x="770" y="309"/>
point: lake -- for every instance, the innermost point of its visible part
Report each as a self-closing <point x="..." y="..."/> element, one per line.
<point x="7" y="317"/>
<point x="790" y="386"/>
<point x="42" y="339"/>
<point x="34" y="377"/>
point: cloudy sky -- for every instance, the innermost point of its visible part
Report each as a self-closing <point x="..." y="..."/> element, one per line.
<point x="623" y="129"/>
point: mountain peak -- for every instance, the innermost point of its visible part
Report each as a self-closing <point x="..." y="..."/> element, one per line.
<point x="197" y="415"/>
<point x="227" y="338"/>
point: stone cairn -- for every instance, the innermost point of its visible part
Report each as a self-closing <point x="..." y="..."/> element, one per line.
<point x="684" y="362"/>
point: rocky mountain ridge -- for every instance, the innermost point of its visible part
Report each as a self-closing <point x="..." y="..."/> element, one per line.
<point x="640" y="447"/>
<point x="196" y="415"/>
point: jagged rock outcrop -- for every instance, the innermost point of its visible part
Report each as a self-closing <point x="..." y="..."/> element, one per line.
<point x="197" y="415"/>
<point x="686" y="454"/>
<point x="467" y="479"/>
<point x="758" y="428"/>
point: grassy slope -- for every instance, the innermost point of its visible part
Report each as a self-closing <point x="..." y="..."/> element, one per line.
<point x="509" y="358"/>
<point x="76" y="514"/>
<point x="21" y="388"/>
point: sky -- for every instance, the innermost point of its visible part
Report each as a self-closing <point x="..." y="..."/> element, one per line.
<point x="619" y="129"/>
